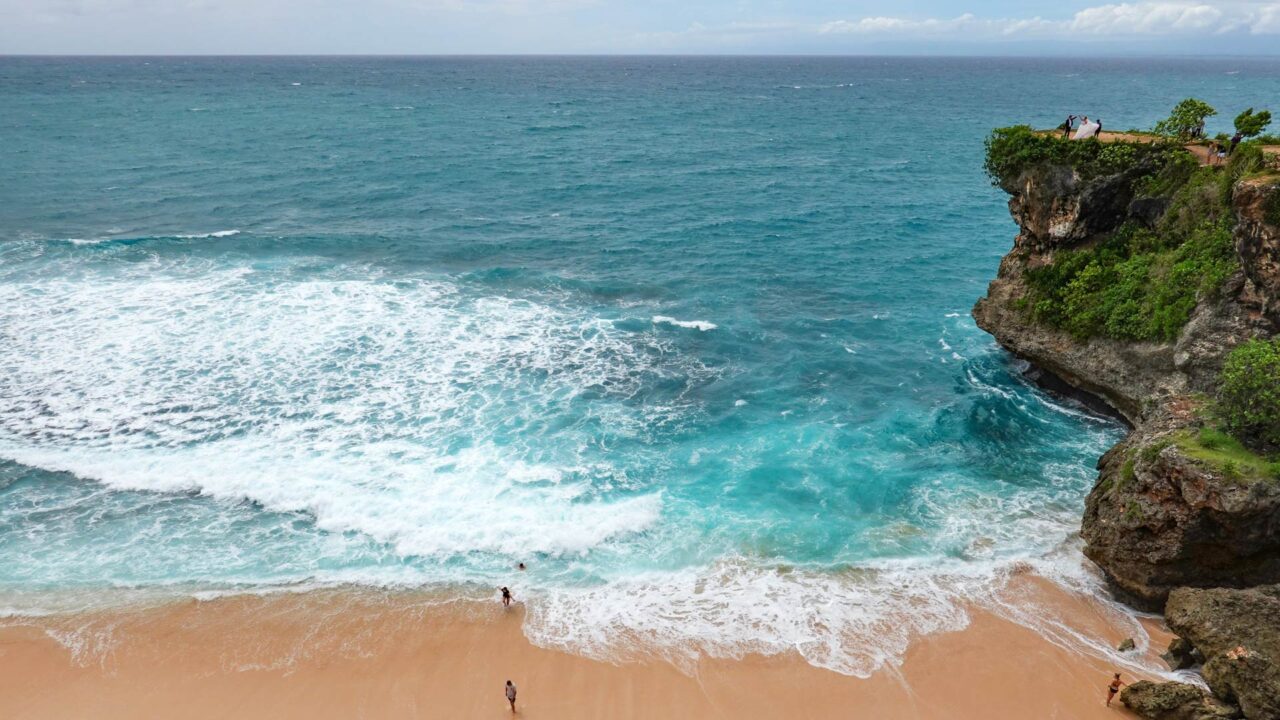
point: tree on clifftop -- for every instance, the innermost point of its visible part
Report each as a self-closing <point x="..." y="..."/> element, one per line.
<point x="1187" y="119"/>
<point x="1249" y="123"/>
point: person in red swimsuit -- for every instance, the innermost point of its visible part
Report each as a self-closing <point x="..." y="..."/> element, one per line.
<point x="1113" y="688"/>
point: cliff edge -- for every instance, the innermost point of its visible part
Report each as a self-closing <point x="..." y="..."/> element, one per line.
<point x="1134" y="274"/>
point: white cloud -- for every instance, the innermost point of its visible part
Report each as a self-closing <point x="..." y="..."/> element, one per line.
<point x="1119" y="19"/>
<point x="1155" y="18"/>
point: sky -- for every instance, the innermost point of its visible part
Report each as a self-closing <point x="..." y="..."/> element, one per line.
<point x="844" y="27"/>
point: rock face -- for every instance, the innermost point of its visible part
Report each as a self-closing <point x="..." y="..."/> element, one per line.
<point x="1157" y="519"/>
<point x="1257" y="206"/>
<point x="1174" y="701"/>
<point x="1238" y="631"/>
<point x="1181" y="654"/>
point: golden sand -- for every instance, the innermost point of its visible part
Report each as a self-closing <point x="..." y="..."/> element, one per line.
<point x="362" y="654"/>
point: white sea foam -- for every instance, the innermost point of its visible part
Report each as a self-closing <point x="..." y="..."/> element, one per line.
<point x="218" y="234"/>
<point x="336" y="398"/>
<point x="702" y="325"/>
<point x="854" y="622"/>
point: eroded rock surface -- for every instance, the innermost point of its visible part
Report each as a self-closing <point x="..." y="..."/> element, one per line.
<point x="1238" y="631"/>
<point x="1175" y="701"/>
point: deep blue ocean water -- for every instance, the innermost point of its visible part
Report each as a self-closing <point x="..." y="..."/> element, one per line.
<point x="689" y="336"/>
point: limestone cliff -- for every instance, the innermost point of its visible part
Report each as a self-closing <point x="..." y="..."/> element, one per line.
<point x="1160" y="516"/>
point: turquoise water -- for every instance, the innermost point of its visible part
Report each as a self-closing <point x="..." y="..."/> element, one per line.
<point x="690" y="337"/>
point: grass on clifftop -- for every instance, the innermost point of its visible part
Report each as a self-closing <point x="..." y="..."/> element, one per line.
<point x="1139" y="283"/>
<point x="1226" y="454"/>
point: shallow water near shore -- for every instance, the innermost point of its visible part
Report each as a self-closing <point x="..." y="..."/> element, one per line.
<point x="690" y="337"/>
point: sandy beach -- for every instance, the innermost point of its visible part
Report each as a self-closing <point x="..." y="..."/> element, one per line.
<point x="358" y="653"/>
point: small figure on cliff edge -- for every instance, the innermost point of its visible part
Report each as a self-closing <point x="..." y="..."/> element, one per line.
<point x="1114" y="688"/>
<point x="511" y="695"/>
<point x="1068" y="126"/>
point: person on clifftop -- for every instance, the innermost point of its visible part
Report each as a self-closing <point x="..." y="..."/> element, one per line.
<point x="1114" y="688"/>
<point x="1067" y="127"/>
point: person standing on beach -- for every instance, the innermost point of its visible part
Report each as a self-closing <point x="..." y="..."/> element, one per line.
<point x="511" y="695"/>
<point x="506" y="596"/>
<point x="1112" y="689"/>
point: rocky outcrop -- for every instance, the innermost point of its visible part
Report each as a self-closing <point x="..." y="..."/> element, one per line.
<point x="1057" y="207"/>
<point x="1174" y="701"/>
<point x="1157" y="519"/>
<point x="1238" y="631"/>
<point x="1257" y="205"/>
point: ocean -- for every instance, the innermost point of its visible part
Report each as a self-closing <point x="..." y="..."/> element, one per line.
<point x="690" y="337"/>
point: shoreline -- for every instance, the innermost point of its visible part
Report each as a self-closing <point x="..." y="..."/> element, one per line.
<point x="353" y="653"/>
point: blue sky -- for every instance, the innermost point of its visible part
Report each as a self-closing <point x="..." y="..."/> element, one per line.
<point x="997" y="27"/>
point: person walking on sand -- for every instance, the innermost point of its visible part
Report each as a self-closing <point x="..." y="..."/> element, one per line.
<point x="511" y="695"/>
<point x="506" y="596"/>
<point x="1114" y="688"/>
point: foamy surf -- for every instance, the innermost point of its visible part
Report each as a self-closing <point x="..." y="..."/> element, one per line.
<point x="702" y="325"/>
<point x="215" y="234"/>
<point x="856" y="622"/>
<point x="187" y="236"/>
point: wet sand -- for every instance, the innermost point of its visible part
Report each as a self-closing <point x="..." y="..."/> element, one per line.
<point x="360" y="654"/>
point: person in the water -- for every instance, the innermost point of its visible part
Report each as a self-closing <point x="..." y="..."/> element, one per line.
<point x="506" y="596"/>
<point x="511" y="693"/>
<point x="1114" y="688"/>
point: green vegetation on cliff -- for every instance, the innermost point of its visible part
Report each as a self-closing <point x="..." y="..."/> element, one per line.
<point x="1140" y="283"/>
<point x="1250" y="393"/>
<point x="1011" y="151"/>
<point x="1226" y="455"/>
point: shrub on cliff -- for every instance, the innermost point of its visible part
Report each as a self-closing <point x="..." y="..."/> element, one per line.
<point x="1250" y="393"/>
